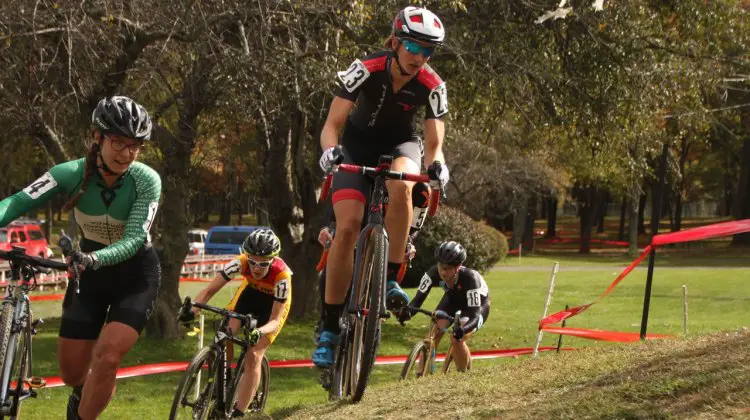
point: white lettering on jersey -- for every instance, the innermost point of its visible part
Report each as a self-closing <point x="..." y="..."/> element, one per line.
<point x="439" y="100"/>
<point x="45" y="183"/>
<point x="354" y="76"/>
<point x="472" y="298"/>
<point x="374" y="115"/>
<point x="425" y="283"/>
<point x="231" y="268"/>
<point x="282" y="289"/>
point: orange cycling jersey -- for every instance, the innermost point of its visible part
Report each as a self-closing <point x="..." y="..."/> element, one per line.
<point x="276" y="284"/>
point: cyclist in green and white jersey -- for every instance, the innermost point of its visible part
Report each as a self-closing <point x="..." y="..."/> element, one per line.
<point x="114" y="199"/>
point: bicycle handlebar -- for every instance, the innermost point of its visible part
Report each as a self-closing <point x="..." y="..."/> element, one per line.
<point x="435" y="315"/>
<point x="247" y="320"/>
<point x="18" y="254"/>
<point x="382" y="171"/>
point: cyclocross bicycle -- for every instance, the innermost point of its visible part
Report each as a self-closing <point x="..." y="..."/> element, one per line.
<point x="215" y="398"/>
<point x="365" y="307"/>
<point x="421" y="359"/>
<point x="17" y="326"/>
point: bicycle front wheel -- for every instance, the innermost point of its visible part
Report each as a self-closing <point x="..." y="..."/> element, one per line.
<point x="417" y="363"/>
<point x="448" y="359"/>
<point x="369" y="301"/>
<point x="6" y="322"/>
<point x="261" y="394"/>
<point x="195" y="397"/>
<point x="18" y="390"/>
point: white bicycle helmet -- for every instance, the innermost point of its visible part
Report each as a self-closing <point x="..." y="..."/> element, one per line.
<point x="419" y="24"/>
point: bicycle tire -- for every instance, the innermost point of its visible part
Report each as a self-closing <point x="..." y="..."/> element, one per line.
<point x="340" y="370"/>
<point x="261" y="394"/>
<point x="188" y="380"/>
<point x="258" y="403"/>
<point x="23" y="372"/>
<point x="419" y="350"/>
<point x="375" y="254"/>
<point x="448" y="358"/>
<point x="6" y="322"/>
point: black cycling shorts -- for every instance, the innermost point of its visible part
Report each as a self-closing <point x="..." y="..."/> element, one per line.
<point x="359" y="150"/>
<point x="124" y="293"/>
<point x="450" y="307"/>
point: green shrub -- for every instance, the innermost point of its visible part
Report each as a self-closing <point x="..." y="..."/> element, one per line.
<point x="485" y="245"/>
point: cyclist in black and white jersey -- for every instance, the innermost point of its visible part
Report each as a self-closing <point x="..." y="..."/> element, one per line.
<point x="465" y="290"/>
<point x="388" y="88"/>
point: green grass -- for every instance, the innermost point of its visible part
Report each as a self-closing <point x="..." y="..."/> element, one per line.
<point x="699" y="377"/>
<point x="718" y="300"/>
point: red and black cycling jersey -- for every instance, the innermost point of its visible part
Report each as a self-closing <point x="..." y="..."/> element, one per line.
<point x="383" y="113"/>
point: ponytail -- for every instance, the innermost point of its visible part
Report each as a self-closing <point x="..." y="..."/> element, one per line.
<point x="90" y="169"/>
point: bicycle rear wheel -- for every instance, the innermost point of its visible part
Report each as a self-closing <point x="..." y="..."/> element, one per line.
<point x="185" y="404"/>
<point x="369" y="301"/>
<point x="417" y="363"/>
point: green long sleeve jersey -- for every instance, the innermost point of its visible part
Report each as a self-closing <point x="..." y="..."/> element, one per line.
<point x="113" y="221"/>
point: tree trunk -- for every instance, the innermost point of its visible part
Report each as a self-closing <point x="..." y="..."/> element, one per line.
<point x="641" y="211"/>
<point x="551" y="217"/>
<point x="225" y="211"/>
<point x="519" y="225"/>
<point x="602" y="211"/>
<point x="741" y="208"/>
<point x="289" y="184"/>
<point x="633" y="226"/>
<point x="623" y="212"/>
<point x="174" y="220"/>
<point x="588" y="200"/>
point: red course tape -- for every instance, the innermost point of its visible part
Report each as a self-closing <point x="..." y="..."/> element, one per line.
<point x="167" y="367"/>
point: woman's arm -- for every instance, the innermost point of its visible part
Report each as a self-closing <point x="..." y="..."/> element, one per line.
<point x="434" y="133"/>
<point x="337" y="114"/>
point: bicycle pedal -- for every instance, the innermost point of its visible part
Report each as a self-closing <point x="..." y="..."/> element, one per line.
<point x="36" y="382"/>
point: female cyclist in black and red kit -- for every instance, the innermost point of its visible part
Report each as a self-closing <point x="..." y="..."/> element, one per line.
<point x="388" y="88"/>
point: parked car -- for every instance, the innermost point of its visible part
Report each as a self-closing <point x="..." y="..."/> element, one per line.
<point x="227" y="240"/>
<point x="27" y="235"/>
<point x="196" y="241"/>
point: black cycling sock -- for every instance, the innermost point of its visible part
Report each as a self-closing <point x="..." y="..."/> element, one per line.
<point x="236" y="413"/>
<point x="331" y="315"/>
<point x="393" y="269"/>
<point x="78" y="391"/>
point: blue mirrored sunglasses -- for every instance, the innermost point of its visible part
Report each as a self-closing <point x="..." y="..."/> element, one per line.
<point x="416" y="49"/>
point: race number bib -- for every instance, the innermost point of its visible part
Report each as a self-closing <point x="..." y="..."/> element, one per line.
<point x="231" y="268"/>
<point x="354" y="76"/>
<point x="45" y="183"/>
<point x="472" y="298"/>
<point x="439" y="100"/>
<point x="425" y="283"/>
<point x="151" y="216"/>
<point x="282" y="289"/>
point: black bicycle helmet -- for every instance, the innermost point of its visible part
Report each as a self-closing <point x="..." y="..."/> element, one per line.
<point x="262" y="243"/>
<point x="123" y="116"/>
<point x="450" y="253"/>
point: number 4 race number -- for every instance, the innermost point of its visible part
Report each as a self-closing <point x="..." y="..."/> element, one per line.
<point x="45" y="183"/>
